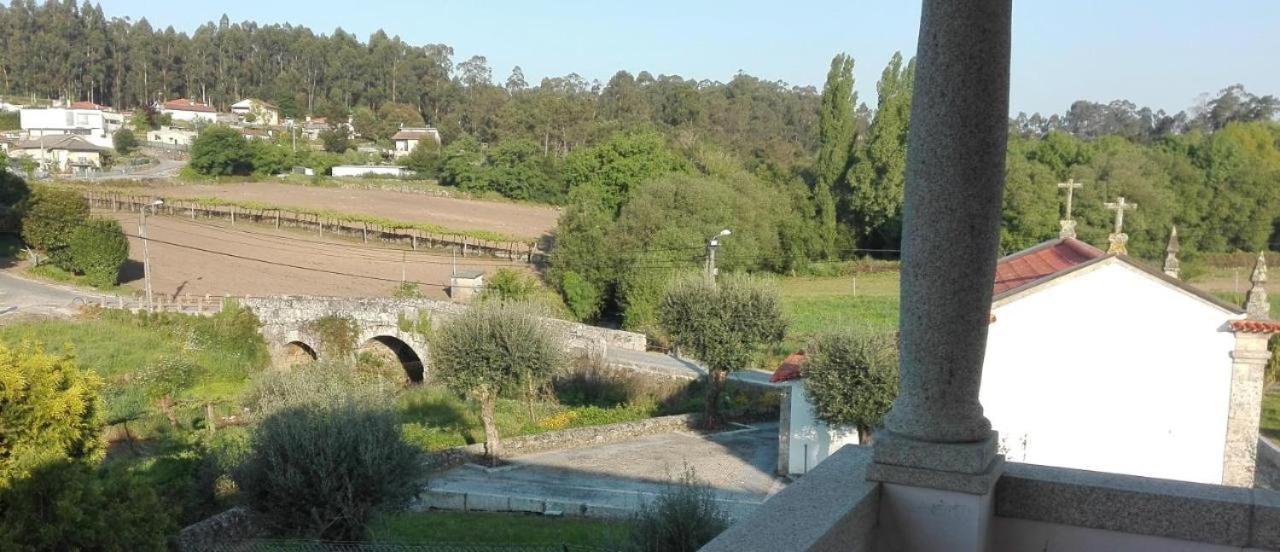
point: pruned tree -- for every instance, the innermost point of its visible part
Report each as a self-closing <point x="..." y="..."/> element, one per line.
<point x="494" y="347"/>
<point x="724" y="326"/>
<point x="852" y="378"/>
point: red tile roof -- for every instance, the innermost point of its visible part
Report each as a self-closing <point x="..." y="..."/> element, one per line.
<point x="789" y="369"/>
<point x="1255" y="326"/>
<point x="1042" y="261"/>
<point x="86" y="105"/>
<point x="183" y="104"/>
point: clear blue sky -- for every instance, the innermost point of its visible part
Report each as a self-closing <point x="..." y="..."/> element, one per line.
<point x="1160" y="53"/>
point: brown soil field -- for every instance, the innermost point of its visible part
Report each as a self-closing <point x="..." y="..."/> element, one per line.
<point x="200" y="257"/>
<point x="513" y="219"/>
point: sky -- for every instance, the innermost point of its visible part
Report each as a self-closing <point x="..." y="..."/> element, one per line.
<point x="1157" y="53"/>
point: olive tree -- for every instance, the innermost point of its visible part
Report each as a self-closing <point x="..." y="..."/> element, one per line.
<point x="492" y="347"/>
<point x="852" y="378"/>
<point x="724" y="326"/>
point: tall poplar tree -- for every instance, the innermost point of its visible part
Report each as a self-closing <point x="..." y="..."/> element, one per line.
<point x="879" y="168"/>
<point x="836" y="133"/>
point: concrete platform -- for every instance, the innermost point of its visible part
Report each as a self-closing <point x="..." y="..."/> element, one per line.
<point x="612" y="481"/>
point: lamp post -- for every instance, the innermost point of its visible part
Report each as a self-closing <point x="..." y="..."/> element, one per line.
<point x="146" y="254"/>
<point x="712" y="245"/>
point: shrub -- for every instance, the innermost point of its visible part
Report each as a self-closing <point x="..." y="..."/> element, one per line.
<point x="124" y="141"/>
<point x="408" y="290"/>
<point x="72" y="506"/>
<point x="50" y="217"/>
<point x="50" y="410"/>
<point x="13" y="193"/>
<point x="583" y="298"/>
<point x="852" y="378"/>
<point x="321" y="382"/>
<point x="221" y="151"/>
<point x="682" y="518"/>
<point x="322" y="470"/>
<point x="164" y="379"/>
<point x="98" y="249"/>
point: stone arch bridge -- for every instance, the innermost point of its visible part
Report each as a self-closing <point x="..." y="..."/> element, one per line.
<point x="395" y="327"/>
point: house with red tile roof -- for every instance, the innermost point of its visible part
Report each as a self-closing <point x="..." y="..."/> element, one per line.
<point x="803" y="439"/>
<point x="1099" y="361"/>
<point x="183" y="109"/>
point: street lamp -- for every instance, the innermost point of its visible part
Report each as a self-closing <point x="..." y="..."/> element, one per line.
<point x="146" y="255"/>
<point x="712" y="245"/>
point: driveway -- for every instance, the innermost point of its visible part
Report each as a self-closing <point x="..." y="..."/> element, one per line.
<point x="19" y="296"/>
<point x="615" y="480"/>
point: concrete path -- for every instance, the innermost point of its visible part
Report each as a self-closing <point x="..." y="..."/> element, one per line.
<point x="615" y="480"/>
<point x="19" y="296"/>
<point x="670" y="366"/>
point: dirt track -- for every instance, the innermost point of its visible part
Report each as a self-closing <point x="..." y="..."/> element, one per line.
<point x="514" y="219"/>
<point x="198" y="258"/>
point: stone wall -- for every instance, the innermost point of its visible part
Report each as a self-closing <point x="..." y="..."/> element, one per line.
<point x="231" y="526"/>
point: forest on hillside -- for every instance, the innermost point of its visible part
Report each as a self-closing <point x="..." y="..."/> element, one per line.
<point x="647" y="166"/>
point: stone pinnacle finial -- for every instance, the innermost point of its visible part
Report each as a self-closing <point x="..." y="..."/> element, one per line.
<point x="1171" y="264"/>
<point x="1257" y="306"/>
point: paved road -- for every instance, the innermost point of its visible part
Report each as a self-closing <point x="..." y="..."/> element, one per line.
<point x="614" y="480"/>
<point x="675" y="367"/>
<point x="21" y="296"/>
<point x="162" y="168"/>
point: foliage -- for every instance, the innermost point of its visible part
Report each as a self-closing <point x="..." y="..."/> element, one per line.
<point x="50" y="411"/>
<point x="98" y="249"/>
<point x="50" y="216"/>
<point x="837" y="126"/>
<point x="336" y="334"/>
<point x="124" y="141"/>
<point x="164" y="379"/>
<point x="879" y="171"/>
<point x="221" y="151"/>
<point x="723" y="325"/>
<point x="583" y="298"/>
<point x="424" y="160"/>
<point x="10" y="120"/>
<point x="493" y="347"/>
<point x="73" y="506"/>
<point x="619" y="164"/>
<point x="13" y="195"/>
<point x="408" y="290"/>
<point x="852" y="378"/>
<point x="335" y="140"/>
<point x="683" y="518"/>
<point x="323" y="470"/>
<point x="516" y="286"/>
<point x="502" y="529"/>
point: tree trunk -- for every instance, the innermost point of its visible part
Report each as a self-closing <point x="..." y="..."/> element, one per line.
<point x="864" y="435"/>
<point x="715" y="384"/>
<point x="492" y="442"/>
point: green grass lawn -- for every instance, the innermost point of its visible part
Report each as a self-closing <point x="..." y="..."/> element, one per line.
<point x="815" y="305"/>
<point x="486" y="528"/>
<point x="1271" y="415"/>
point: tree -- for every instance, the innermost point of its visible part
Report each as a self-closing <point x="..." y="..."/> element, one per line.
<point x="221" y="151"/>
<point x="619" y="164"/>
<point x="49" y="218"/>
<point x="462" y="164"/>
<point x="13" y="197"/>
<point x="51" y="412"/>
<point x="424" y="159"/>
<point x="582" y="248"/>
<point x="124" y="141"/>
<point x="335" y="140"/>
<point x="491" y="347"/>
<point x="723" y="325"/>
<point x="98" y="249"/>
<point x="879" y="171"/>
<point x="836" y="133"/>
<point x="852" y="378"/>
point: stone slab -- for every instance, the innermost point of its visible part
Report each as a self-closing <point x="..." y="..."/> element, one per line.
<point x="487" y="502"/>
<point x="971" y="458"/>
<point x="446" y="500"/>
<point x="1265" y="532"/>
<point x="525" y="504"/>
<point x="974" y="484"/>
<point x="1211" y="514"/>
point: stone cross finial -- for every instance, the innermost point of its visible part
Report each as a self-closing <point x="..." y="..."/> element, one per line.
<point x="1171" y="264"/>
<point x="1257" y="307"/>
<point x="1118" y="239"/>
<point x="1068" y="224"/>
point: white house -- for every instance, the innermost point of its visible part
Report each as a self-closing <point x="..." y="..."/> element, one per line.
<point x="190" y="111"/>
<point x="65" y="153"/>
<point x="84" y="119"/>
<point x="803" y="439"/>
<point x="370" y="170"/>
<point x="255" y="111"/>
<point x="171" y="136"/>
<point x="1096" y="361"/>
<point x="408" y="138"/>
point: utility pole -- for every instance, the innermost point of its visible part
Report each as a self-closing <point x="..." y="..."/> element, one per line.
<point x="712" y="245"/>
<point x="146" y="253"/>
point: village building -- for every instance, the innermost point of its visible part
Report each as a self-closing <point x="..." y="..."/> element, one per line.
<point x="408" y="138"/>
<point x="90" y="121"/>
<point x="172" y="137"/>
<point x="803" y="439"/>
<point x="65" y="153"/>
<point x="375" y="171"/>
<point x="465" y="284"/>
<point x="257" y="112"/>
<point x="189" y="111"/>
<point x="255" y="133"/>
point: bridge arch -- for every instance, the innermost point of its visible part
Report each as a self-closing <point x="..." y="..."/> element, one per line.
<point x="298" y="352"/>
<point x="393" y="348"/>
